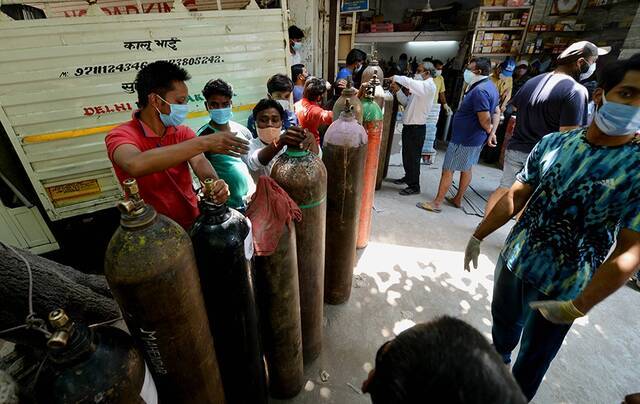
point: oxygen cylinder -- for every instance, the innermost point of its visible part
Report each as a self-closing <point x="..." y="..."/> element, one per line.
<point x="223" y="246"/>
<point x="348" y="94"/>
<point x="279" y="301"/>
<point x="387" y="112"/>
<point x="151" y="270"/>
<point x="390" y="133"/>
<point x="304" y="177"/>
<point x="93" y="365"/>
<point x="372" y="117"/>
<point x="372" y="70"/>
<point x="344" y="154"/>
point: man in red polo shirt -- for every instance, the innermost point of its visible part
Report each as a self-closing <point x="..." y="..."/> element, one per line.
<point x="308" y="110"/>
<point x="157" y="151"/>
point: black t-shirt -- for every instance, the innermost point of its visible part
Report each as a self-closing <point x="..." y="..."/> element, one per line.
<point x="544" y="104"/>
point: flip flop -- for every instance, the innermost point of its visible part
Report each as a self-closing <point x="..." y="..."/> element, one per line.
<point x="450" y="201"/>
<point x="428" y="207"/>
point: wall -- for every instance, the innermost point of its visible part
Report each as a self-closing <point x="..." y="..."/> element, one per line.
<point x="393" y="10"/>
<point x="442" y="50"/>
<point x="632" y="43"/>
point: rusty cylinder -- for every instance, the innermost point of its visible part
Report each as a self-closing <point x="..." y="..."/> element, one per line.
<point x="304" y="177"/>
<point x="373" y="119"/>
<point x="151" y="270"/>
<point x="278" y="294"/>
<point x="344" y="154"/>
<point x="387" y="112"/>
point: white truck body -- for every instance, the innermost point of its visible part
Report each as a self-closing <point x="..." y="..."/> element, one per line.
<point x="65" y="82"/>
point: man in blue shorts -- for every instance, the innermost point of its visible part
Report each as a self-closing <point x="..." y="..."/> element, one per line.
<point x="474" y="124"/>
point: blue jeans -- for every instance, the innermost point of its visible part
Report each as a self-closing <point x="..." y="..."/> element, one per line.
<point x="512" y="319"/>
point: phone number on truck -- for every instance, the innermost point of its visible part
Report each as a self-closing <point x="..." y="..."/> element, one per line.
<point x="125" y="67"/>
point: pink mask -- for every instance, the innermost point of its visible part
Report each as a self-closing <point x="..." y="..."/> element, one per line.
<point x="268" y="135"/>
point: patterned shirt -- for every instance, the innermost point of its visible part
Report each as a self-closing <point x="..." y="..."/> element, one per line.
<point x="583" y="195"/>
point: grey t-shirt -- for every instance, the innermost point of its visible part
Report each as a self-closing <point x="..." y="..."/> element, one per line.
<point x="545" y="103"/>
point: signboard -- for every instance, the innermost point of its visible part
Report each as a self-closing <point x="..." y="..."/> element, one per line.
<point x="352" y="6"/>
<point x="73" y="8"/>
<point x="66" y="82"/>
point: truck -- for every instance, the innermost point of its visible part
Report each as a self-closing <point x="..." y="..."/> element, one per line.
<point x="66" y="80"/>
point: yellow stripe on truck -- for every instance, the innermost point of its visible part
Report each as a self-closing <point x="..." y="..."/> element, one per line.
<point x="69" y="134"/>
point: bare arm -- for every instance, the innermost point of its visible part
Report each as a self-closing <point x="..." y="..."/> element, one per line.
<point x="442" y="98"/>
<point x="267" y="153"/>
<point x="613" y="273"/>
<point x="202" y="167"/>
<point x="506" y="208"/>
<point x="136" y="163"/>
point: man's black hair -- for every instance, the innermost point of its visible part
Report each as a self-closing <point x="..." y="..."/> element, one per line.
<point x="158" y="77"/>
<point x="483" y="64"/>
<point x="217" y="87"/>
<point x="443" y="361"/>
<point x="356" y="55"/>
<point x="267" y="103"/>
<point x="279" y="82"/>
<point x="437" y="62"/>
<point x="295" y="32"/>
<point x="297" y="70"/>
<point x="314" y="87"/>
<point x="613" y="73"/>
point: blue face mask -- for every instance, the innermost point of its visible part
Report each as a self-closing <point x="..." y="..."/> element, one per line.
<point x="177" y="115"/>
<point x="221" y="116"/>
<point x="297" y="46"/>
<point x="468" y="76"/>
<point x="616" y="119"/>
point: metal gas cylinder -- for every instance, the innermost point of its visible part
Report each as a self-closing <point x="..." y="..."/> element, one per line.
<point x="304" y="177"/>
<point x="98" y="364"/>
<point x="372" y="116"/>
<point x="344" y="154"/>
<point x="372" y="70"/>
<point x="151" y="270"/>
<point x="223" y="246"/>
<point x="385" y="137"/>
<point x="278" y="293"/>
<point x="348" y="94"/>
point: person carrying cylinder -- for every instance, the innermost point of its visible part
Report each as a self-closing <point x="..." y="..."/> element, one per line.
<point x="218" y="96"/>
<point x="279" y="88"/>
<point x="269" y="117"/>
<point x="414" y="119"/>
<point x="310" y="113"/>
<point x="157" y="150"/>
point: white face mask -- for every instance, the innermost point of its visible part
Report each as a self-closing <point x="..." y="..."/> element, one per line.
<point x="284" y="104"/>
<point x="438" y="73"/>
<point x="418" y="77"/>
<point x="588" y="73"/>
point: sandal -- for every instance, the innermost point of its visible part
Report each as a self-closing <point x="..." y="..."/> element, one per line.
<point x="450" y="201"/>
<point x="428" y="207"/>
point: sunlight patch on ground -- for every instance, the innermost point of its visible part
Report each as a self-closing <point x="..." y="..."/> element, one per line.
<point x="390" y="265"/>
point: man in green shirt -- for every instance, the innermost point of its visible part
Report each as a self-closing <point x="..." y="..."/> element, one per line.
<point x="218" y="95"/>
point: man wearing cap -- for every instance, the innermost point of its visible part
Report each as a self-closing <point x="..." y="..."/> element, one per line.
<point x="550" y="102"/>
<point x="502" y="78"/>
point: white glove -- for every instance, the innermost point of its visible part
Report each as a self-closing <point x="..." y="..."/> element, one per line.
<point x="471" y="253"/>
<point x="556" y="311"/>
<point x="448" y="109"/>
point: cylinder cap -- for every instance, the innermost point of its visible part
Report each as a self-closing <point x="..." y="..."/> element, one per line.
<point x="58" y="318"/>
